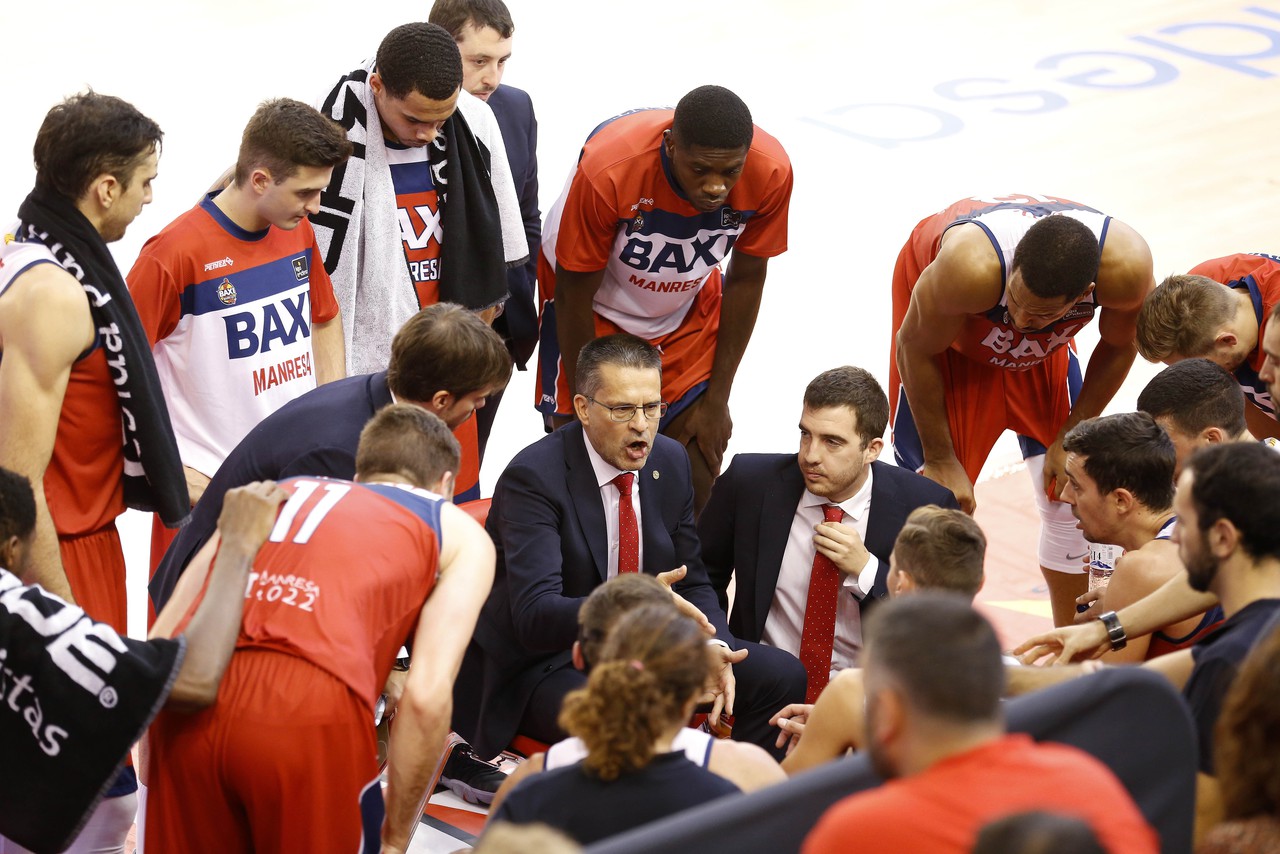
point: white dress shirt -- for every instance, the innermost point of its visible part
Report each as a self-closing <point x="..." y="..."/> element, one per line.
<point x="785" y="624"/>
<point x="609" y="499"/>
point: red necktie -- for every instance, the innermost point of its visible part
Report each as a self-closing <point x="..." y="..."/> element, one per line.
<point x="819" y="632"/>
<point x="628" y="530"/>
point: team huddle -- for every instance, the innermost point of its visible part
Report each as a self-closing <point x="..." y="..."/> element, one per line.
<point x="299" y="376"/>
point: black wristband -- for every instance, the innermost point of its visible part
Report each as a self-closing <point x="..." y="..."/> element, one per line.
<point x="1115" y="631"/>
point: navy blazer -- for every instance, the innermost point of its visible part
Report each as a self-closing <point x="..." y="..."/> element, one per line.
<point x="747" y="520"/>
<point x="518" y="323"/>
<point x="548" y="525"/>
<point x="315" y="434"/>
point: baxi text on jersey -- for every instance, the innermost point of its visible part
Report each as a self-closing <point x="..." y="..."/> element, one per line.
<point x="262" y="327"/>
<point x="279" y="374"/>
<point x="1024" y="351"/>
<point x="680" y="256"/>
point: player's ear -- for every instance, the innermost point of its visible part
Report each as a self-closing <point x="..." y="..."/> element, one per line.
<point x="874" y="448"/>
<point x="1213" y="435"/>
<point x="1225" y="340"/>
<point x="446" y="485"/>
<point x="579" y="661"/>
<point x="440" y="401"/>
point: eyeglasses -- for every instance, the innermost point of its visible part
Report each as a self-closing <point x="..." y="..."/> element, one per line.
<point x="624" y="412"/>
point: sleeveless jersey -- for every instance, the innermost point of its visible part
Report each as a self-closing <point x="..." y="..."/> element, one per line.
<point x="623" y="211"/>
<point x="83" y="482"/>
<point x="342" y="578"/>
<point x="418" y="211"/>
<point x="693" y="743"/>
<point x="990" y="338"/>
<point x="229" y="314"/>
<point x="1260" y="275"/>
<point x="1161" y="643"/>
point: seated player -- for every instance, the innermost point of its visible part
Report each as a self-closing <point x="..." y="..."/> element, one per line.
<point x="745" y="765"/>
<point x="935" y="732"/>
<point x="1228" y="538"/>
<point x="317" y="643"/>
<point x="1120" y="487"/>
<point x="61" y="669"/>
<point x="652" y="670"/>
<point x="937" y="549"/>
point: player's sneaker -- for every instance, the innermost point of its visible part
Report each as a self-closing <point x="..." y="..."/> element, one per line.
<point x="470" y="777"/>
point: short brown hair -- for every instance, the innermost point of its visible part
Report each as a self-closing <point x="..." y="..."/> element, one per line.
<point x="407" y="440"/>
<point x="284" y="134"/>
<point x="88" y="135"/>
<point x="941" y="550"/>
<point x="856" y="389"/>
<point x="1180" y="318"/>
<point x="444" y="347"/>
<point x="453" y="15"/>
<point x="608" y="602"/>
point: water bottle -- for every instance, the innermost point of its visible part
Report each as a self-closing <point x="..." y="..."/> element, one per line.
<point x="1102" y="562"/>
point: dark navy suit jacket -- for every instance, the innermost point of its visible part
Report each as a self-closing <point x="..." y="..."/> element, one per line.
<point x="316" y="435"/>
<point x="747" y="520"/>
<point x="548" y="524"/>
<point x="518" y="324"/>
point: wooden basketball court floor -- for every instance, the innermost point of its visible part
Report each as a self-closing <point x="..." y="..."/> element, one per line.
<point x="1159" y="112"/>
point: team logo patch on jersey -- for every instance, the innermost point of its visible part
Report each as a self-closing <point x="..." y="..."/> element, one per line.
<point x="637" y="223"/>
<point x="226" y="292"/>
<point x="729" y="218"/>
<point x="300" y="269"/>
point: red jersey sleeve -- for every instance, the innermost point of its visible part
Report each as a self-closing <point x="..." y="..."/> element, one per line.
<point x="765" y="234"/>
<point x="324" y="305"/>
<point x="588" y="224"/>
<point x="156" y="295"/>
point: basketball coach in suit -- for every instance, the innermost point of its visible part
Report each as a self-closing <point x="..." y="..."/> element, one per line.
<point x="599" y="497"/>
<point x="830" y="513"/>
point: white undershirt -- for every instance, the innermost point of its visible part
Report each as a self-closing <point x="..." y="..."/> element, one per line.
<point x="785" y="623"/>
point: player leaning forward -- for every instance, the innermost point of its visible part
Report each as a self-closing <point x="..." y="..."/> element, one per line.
<point x="988" y="296"/>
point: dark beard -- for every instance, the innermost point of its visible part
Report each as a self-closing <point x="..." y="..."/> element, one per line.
<point x="1201" y="574"/>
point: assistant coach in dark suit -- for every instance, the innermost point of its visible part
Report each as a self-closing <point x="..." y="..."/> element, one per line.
<point x="445" y="359"/>
<point x="764" y="521"/>
<point x="560" y="520"/>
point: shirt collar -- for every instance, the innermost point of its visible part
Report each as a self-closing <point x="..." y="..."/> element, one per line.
<point x="605" y="473"/>
<point x="854" y="507"/>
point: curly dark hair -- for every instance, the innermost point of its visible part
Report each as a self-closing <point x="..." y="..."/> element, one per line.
<point x="88" y="135"/>
<point x="17" y="506"/>
<point x="420" y="58"/>
<point x="654" y="662"/>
